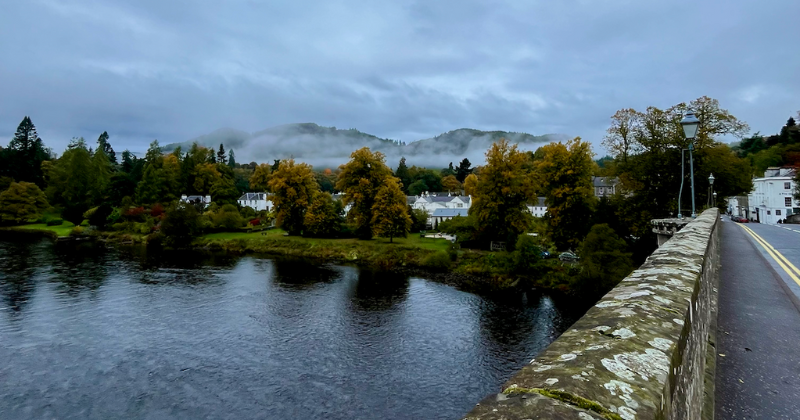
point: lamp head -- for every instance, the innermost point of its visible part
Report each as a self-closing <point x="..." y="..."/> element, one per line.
<point x="690" y="124"/>
<point x="711" y="179"/>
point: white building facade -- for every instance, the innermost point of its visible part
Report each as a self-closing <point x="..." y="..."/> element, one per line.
<point x="257" y="201"/>
<point x="539" y="208"/>
<point x="430" y="203"/>
<point x="772" y="196"/>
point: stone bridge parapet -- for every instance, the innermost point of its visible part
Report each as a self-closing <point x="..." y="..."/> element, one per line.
<point x="644" y="351"/>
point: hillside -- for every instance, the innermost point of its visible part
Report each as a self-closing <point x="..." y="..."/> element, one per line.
<point x="330" y="147"/>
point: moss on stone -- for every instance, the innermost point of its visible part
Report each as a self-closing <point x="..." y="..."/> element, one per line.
<point x="566" y="397"/>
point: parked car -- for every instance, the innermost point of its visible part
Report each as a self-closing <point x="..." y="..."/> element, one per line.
<point x="545" y="255"/>
<point x="568" y="256"/>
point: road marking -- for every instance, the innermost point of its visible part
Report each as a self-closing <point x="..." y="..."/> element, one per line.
<point x="777" y="256"/>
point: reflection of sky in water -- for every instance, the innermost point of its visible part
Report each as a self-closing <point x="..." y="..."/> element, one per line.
<point x="95" y="333"/>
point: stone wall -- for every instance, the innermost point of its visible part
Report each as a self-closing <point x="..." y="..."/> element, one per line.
<point x="644" y="351"/>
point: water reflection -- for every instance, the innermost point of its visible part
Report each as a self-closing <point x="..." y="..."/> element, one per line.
<point x="105" y="333"/>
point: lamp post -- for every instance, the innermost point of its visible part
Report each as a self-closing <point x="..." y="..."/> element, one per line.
<point x="710" y="188"/>
<point x="714" y="203"/>
<point x="690" y="124"/>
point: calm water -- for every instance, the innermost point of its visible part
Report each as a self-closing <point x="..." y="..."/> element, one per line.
<point x="89" y="333"/>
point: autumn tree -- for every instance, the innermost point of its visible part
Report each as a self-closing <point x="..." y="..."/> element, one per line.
<point x="293" y="186"/>
<point x="450" y="183"/>
<point x="499" y="201"/>
<point x="259" y="181"/>
<point x="360" y="180"/>
<point x="565" y="176"/>
<point x="205" y="175"/>
<point x="22" y="201"/>
<point x="390" y="218"/>
<point x="322" y="218"/>
<point x="622" y="136"/>
<point x="470" y="184"/>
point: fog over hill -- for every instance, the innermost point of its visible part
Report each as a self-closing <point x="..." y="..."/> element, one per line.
<point x="331" y="147"/>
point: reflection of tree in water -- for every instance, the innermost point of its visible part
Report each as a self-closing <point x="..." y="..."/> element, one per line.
<point x="18" y="264"/>
<point x="78" y="266"/>
<point x="379" y="290"/>
<point x="302" y="274"/>
<point x="157" y="266"/>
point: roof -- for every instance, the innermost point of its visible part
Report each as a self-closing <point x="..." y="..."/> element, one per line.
<point x="444" y="199"/>
<point x="253" y="196"/>
<point x="602" y="181"/>
<point x="450" y="212"/>
<point x="540" y="202"/>
<point x="411" y="199"/>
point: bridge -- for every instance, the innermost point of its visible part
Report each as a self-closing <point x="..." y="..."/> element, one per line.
<point x="708" y="327"/>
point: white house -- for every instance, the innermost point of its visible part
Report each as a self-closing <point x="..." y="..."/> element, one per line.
<point x="539" y="208"/>
<point x="771" y="199"/>
<point x="257" y="201"/>
<point x="196" y="199"/>
<point x="430" y="203"/>
<point x="440" y="215"/>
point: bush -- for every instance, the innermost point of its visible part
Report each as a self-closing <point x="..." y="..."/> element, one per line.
<point x="255" y="222"/>
<point x="55" y="222"/>
<point x="527" y="255"/>
<point x="74" y="213"/>
<point x="99" y="216"/>
<point x="157" y="210"/>
<point x="155" y="239"/>
<point x="228" y="218"/>
<point x="134" y="214"/>
<point x="438" y="261"/>
<point x="76" y="231"/>
<point x="181" y="225"/>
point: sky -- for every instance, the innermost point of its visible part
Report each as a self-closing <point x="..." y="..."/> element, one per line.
<point x="174" y="70"/>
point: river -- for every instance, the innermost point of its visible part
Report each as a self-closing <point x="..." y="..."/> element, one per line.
<point x="93" y="333"/>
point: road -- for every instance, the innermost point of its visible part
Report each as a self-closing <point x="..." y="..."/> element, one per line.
<point x="758" y="330"/>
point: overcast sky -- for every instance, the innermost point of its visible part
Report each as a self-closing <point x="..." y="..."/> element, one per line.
<point x="175" y="69"/>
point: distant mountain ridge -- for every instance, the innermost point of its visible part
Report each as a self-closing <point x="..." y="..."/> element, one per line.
<point x="330" y="146"/>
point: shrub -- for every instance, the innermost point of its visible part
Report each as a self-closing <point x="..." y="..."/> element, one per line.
<point x="527" y="255"/>
<point x="55" y="222"/>
<point x="255" y="222"/>
<point x="74" y="213"/>
<point x="134" y="214"/>
<point x="99" y="215"/>
<point x="155" y="239"/>
<point x="157" y="210"/>
<point x="438" y="261"/>
<point x="76" y="231"/>
<point x="181" y="225"/>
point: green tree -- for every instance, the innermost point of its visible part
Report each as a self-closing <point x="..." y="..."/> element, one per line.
<point x="231" y="159"/>
<point x="419" y="219"/>
<point x="293" y="186"/>
<point x="181" y="225"/>
<point x="360" y="180"/>
<point x="417" y="187"/>
<point x="402" y="174"/>
<point x="228" y="218"/>
<point x="26" y="152"/>
<point x="221" y="156"/>
<point x="390" y="217"/>
<point x="71" y="179"/>
<point x="205" y="175"/>
<point x="322" y="218"/>
<point x="161" y="178"/>
<point x="22" y="201"/>
<point x="499" y="204"/>
<point x="105" y="146"/>
<point x="224" y="190"/>
<point x="604" y="260"/>
<point x="565" y="176"/>
<point x="463" y="169"/>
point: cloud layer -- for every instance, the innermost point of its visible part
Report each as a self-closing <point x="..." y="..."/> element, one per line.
<point x="403" y="70"/>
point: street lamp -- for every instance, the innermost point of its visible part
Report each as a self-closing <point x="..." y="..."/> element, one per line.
<point x="690" y="124"/>
<point x="710" y="188"/>
<point x="714" y="204"/>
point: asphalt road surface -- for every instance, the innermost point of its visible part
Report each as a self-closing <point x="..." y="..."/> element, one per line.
<point x="758" y="330"/>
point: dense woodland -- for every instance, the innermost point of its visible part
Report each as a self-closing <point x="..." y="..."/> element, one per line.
<point x="120" y="192"/>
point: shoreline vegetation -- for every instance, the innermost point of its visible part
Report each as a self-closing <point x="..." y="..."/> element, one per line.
<point x="433" y="258"/>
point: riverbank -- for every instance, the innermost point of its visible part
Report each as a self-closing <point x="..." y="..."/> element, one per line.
<point x="432" y="258"/>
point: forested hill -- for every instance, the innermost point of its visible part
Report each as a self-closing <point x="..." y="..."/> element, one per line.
<point x="329" y="146"/>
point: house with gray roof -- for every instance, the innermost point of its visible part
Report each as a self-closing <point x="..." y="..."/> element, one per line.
<point x="440" y="215"/>
<point x="431" y="202"/>
<point x="537" y="208"/>
<point x="604" y="186"/>
<point x="257" y="201"/>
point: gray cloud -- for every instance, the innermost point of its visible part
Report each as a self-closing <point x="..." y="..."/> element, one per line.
<point x="404" y="70"/>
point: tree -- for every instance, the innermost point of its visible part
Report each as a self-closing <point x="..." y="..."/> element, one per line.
<point x="26" y="153"/>
<point x="181" y="224"/>
<point x="470" y="184"/>
<point x="390" y="217"/>
<point x="419" y="219"/>
<point x="604" y="260"/>
<point x="205" y="175"/>
<point x="22" y="201"/>
<point x="76" y="179"/>
<point x="499" y="204"/>
<point x="450" y="183"/>
<point x="449" y="170"/>
<point x="221" y="156"/>
<point x="231" y="159"/>
<point x="223" y="190"/>
<point x="293" y="186"/>
<point x="565" y="176"/>
<point x="161" y="178"/>
<point x="417" y="187"/>
<point x="402" y="174"/>
<point x="105" y="146"/>
<point x="360" y="180"/>
<point x="100" y="215"/>
<point x="322" y="218"/>
<point x="463" y="170"/>
<point x="621" y="137"/>
<point x="259" y="181"/>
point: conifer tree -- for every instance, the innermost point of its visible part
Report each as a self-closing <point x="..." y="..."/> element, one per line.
<point x="105" y="146"/>
<point x="221" y="156"/>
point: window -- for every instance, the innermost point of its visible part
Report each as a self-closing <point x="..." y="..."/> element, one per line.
<point x="787" y="185"/>
<point x="777" y="212"/>
<point x="459" y="205"/>
<point x="787" y="201"/>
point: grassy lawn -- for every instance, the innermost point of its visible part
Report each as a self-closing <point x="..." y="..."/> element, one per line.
<point x="413" y="239"/>
<point x="61" y="230"/>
